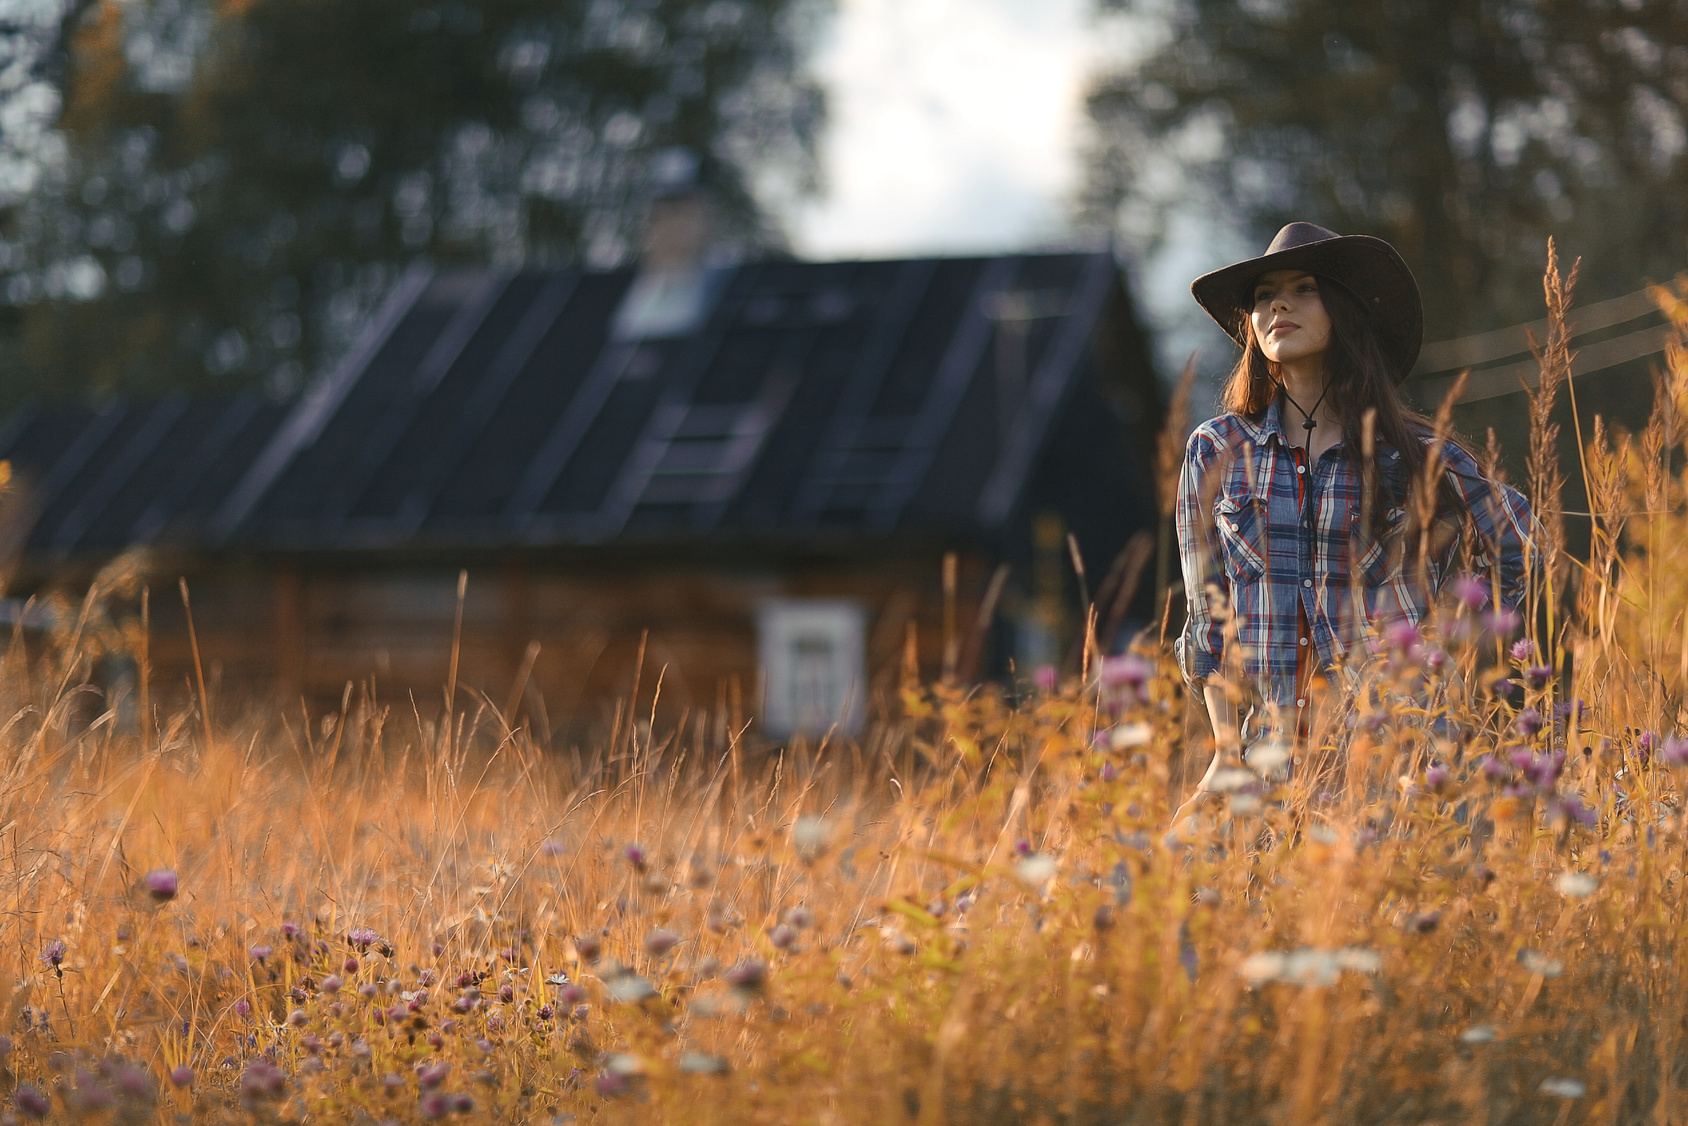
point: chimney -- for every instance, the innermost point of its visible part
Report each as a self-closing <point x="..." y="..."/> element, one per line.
<point x="674" y="289"/>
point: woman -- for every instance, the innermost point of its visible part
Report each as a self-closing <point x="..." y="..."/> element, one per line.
<point x="1297" y="531"/>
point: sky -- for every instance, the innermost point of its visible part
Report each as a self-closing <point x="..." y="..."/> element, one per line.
<point x="955" y="126"/>
<point x="958" y="126"/>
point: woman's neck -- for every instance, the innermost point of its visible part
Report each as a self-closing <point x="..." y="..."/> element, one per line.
<point x="1304" y="384"/>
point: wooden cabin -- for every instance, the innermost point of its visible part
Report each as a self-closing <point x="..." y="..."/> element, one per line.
<point x="752" y="475"/>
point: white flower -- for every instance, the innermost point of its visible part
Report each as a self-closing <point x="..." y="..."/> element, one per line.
<point x="1230" y="778"/>
<point x="1564" y="1088"/>
<point x="1477" y="1034"/>
<point x="811" y="835"/>
<point x="1269" y="758"/>
<point x="1128" y="735"/>
<point x="1538" y="963"/>
<point x="1309" y="966"/>
<point x="1035" y="869"/>
<point x="1577" y="885"/>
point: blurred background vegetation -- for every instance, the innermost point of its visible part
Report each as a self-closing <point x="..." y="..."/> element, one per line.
<point x="216" y="192"/>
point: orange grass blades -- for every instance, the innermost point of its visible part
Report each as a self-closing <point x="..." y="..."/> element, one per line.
<point x="1464" y="908"/>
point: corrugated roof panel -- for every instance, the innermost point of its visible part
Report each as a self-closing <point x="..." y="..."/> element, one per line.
<point x="938" y="316"/>
<point x="438" y="417"/>
<point x="481" y="482"/>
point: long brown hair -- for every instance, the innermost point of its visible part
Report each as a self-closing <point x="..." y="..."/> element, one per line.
<point x="1360" y="380"/>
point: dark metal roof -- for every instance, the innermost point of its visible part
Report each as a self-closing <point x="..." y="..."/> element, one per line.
<point x="497" y="409"/>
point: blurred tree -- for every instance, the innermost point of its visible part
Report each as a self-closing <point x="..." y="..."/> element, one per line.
<point x="240" y="180"/>
<point x="1464" y="131"/>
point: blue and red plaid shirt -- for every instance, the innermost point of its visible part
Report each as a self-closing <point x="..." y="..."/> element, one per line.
<point x="1280" y="543"/>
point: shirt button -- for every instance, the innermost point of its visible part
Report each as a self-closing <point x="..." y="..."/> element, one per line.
<point x="1306" y="582"/>
<point x="1301" y="469"/>
<point x="1304" y="641"/>
<point x="1301" y="703"/>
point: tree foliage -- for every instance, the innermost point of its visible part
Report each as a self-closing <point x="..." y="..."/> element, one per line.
<point x="240" y="180"/>
<point x="1464" y="131"/>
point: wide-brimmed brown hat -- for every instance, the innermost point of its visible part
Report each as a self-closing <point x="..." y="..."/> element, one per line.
<point x="1370" y="267"/>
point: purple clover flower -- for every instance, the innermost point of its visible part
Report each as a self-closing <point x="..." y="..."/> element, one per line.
<point x="1046" y="678"/>
<point x="181" y="1076"/>
<point x="261" y="953"/>
<point x="635" y="855"/>
<point x="52" y="954"/>
<point x="660" y="942"/>
<point x="1436" y="778"/>
<point x="362" y="937"/>
<point x="1502" y="622"/>
<point x="161" y="884"/>
<point x="1675" y="751"/>
<point x="32" y="1102"/>
<point x="1523" y="650"/>
<point x="1471" y="592"/>
<point x="1126" y="671"/>
<point x="1529" y="722"/>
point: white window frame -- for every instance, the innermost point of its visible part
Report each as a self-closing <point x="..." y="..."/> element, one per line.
<point x="834" y="630"/>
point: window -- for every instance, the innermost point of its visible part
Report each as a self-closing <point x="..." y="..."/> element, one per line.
<point x="813" y="660"/>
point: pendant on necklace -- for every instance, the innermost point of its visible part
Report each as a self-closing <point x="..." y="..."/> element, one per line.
<point x="1308" y="425"/>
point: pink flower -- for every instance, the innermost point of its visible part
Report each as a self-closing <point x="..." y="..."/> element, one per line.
<point x="161" y="884"/>
<point x="1471" y="591"/>
<point x="1046" y="677"/>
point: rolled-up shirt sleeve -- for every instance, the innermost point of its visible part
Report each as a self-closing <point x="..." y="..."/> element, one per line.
<point x="1201" y="646"/>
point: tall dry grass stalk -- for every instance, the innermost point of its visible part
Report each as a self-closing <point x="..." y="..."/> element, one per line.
<point x="1465" y="908"/>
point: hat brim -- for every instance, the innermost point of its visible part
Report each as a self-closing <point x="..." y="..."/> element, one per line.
<point x="1369" y="266"/>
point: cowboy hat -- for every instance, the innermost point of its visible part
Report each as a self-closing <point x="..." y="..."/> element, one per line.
<point x="1370" y="267"/>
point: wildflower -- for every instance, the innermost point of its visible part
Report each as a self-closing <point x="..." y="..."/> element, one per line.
<point x="431" y="1075"/>
<point x="331" y="983"/>
<point x="1035" y="869"/>
<point x="782" y="936"/>
<point x="1563" y="1088"/>
<point x="635" y="855"/>
<point x="748" y="975"/>
<point x="350" y="965"/>
<point x="659" y="942"/>
<point x="1435" y="660"/>
<point x="1436" y="778"/>
<point x="436" y="1104"/>
<point x="1126" y="735"/>
<point x="88" y="1096"/>
<point x="1529" y="722"/>
<point x="1471" y="592"/>
<point x="243" y="1008"/>
<point x="1502" y="622"/>
<point x="552" y="848"/>
<point x="1126" y="670"/>
<point x="1675" y="751"/>
<point x="261" y="952"/>
<point x="181" y="1076"/>
<point x="1046" y="678"/>
<point x="1494" y="768"/>
<point x="292" y="932"/>
<point x="1536" y="962"/>
<point x="507" y="992"/>
<point x="1537" y="676"/>
<point x="1523" y="650"/>
<point x="362" y="937"/>
<point x="1477" y="1034"/>
<point x="1309" y="966"/>
<point x="1423" y="922"/>
<point x="802" y="918"/>
<point x="1577" y="885"/>
<point x="1270" y="758"/>
<point x="1571" y="806"/>
<point x="630" y="989"/>
<point x="52" y="954"/>
<point x="699" y="1063"/>
<point x="261" y="1082"/>
<point x="611" y="1084"/>
<point x="161" y="884"/>
<point x="32" y="1102"/>
<point x="1402" y="635"/>
<point x="589" y="947"/>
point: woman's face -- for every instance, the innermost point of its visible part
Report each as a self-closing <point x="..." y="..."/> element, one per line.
<point x="1289" y="318"/>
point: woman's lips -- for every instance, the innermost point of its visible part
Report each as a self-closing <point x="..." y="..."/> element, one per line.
<point x="1282" y="327"/>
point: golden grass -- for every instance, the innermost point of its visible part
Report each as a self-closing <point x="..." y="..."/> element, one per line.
<point x="1467" y="910"/>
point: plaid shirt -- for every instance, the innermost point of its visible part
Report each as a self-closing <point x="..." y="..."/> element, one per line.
<point x="1245" y="532"/>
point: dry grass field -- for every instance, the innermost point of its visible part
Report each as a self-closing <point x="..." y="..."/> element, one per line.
<point x="1468" y="909"/>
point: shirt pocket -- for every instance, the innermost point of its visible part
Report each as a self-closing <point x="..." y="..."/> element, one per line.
<point x="1379" y="555"/>
<point x="1242" y="537"/>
